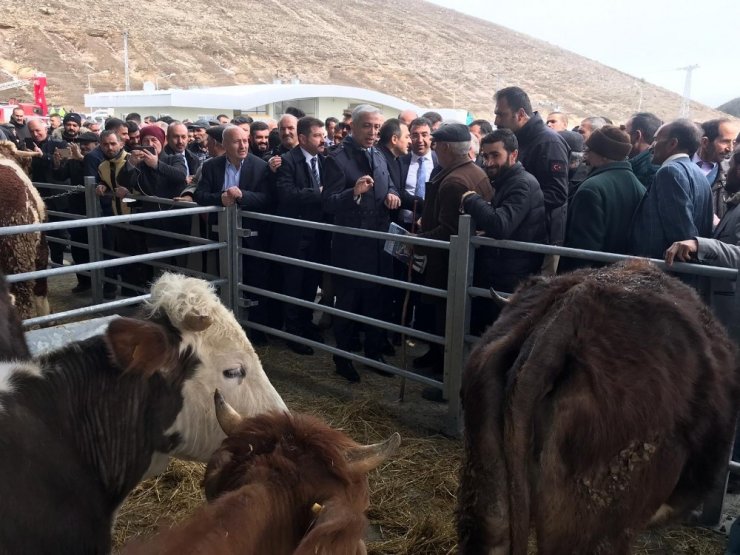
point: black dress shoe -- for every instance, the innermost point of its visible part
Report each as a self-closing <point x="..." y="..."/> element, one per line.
<point x="388" y="350"/>
<point x="300" y="348"/>
<point x="346" y="369"/>
<point x="81" y="287"/>
<point x="379" y="358"/>
<point x="431" y="358"/>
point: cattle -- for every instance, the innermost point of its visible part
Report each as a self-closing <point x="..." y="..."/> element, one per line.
<point x="21" y="204"/>
<point x="600" y="402"/>
<point x="283" y="484"/>
<point x="81" y="426"/>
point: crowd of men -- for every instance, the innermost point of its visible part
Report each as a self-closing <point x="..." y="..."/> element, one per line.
<point x="634" y="188"/>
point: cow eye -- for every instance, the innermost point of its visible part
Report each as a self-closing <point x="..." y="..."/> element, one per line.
<point x="238" y="372"/>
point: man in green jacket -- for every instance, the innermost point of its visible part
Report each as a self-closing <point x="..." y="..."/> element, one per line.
<point x="600" y="213"/>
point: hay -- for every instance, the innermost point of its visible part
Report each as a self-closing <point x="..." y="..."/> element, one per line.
<point x="413" y="496"/>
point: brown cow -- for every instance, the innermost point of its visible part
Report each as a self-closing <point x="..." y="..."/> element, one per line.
<point x="600" y="401"/>
<point x="281" y="484"/>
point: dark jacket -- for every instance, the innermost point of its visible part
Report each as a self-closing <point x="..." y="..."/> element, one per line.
<point x="442" y="212"/>
<point x="643" y="167"/>
<point x="193" y="162"/>
<point x="255" y="195"/>
<point x="545" y="155"/>
<point x="196" y="150"/>
<point x="342" y="168"/>
<point x="516" y="213"/>
<point x="677" y="206"/>
<point x="297" y="197"/>
<point x="408" y="197"/>
<point x="600" y="214"/>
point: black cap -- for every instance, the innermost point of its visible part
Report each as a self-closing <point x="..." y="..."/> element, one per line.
<point x="574" y="140"/>
<point x="452" y="133"/>
<point x="88" y="137"/>
<point x="216" y="133"/>
<point x="200" y="124"/>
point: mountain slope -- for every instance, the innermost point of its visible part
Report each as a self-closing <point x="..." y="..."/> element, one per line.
<point x="439" y="58"/>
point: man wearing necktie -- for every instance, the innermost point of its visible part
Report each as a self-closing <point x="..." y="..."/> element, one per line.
<point x="358" y="192"/>
<point x="298" y="188"/>
<point x="177" y="142"/>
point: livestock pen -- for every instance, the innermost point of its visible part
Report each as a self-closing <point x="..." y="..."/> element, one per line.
<point x="412" y="496"/>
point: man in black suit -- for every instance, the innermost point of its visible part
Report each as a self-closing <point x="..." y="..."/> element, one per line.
<point x="416" y="170"/>
<point x="393" y="143"/>
<point x="177" y="142"/>
<point x="239" y="177"/>
<point x="299" y="196"/>
<point x="359" y="192"/>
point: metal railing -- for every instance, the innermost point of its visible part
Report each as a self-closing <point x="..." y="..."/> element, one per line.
<point x="235" y="294"/>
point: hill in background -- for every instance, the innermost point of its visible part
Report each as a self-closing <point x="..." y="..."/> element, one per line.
<point x="437" y="57"/>
<point x="732" y="107"/>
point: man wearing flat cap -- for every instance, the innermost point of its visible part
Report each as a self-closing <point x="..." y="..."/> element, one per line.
<point x="601" y="210"/>
<point x="199" y="145"/>
<point x="458" y="175"/>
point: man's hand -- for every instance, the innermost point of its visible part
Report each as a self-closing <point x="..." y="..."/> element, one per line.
<point x="121" y="192"/>
<point x="230" y="195"/>
<point x="187" y="197"/>
<point x="76" y="152"/>
<point x="101" y="189"/>
<point x="683" y="251"/>
<point x="56" y="159"/>
<point x="392" y="201"/>
<point x="151" y="160"/>
<point x="135" y="157"/>
<point x="363" y="185"/>
<point x="274" y="163"/>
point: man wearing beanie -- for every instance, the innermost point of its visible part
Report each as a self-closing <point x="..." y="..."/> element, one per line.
<point x="70" y="129"/>
<point x="601" y="210"/>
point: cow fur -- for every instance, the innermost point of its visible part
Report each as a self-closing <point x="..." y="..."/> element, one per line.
<point x="21" y="204"/>
<point x="282" y="484"/>
<point x="599" y="400"/>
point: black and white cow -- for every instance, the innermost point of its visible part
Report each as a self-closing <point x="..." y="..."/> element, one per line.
<point x="81" y="426"/>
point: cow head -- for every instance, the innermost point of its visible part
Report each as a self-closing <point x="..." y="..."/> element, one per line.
<point x="322" y="469"/>
<point x="227" y="361"/>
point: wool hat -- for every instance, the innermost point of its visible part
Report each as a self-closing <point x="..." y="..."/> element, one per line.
<point x="71" y="116"/>
<point x="152" y="131"/>
<point x="574" y="140"/>
<point x="610" y="142"/>
<point x="216" y="133"/>
<point x="452" y="133"/>
<point x="88" y="137"/>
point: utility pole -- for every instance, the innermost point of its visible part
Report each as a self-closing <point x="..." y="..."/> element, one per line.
<point x="686" y="102"/>
<point x="125" y="60"/>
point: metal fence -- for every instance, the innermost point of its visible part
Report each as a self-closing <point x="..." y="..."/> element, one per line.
<point x="461" y="248"/>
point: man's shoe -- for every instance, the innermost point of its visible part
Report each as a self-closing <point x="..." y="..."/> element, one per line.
<point x="388" y="350"/>
<point x="433" y="394"/>
<point x="346" y="369"/>
<point x="300" y="348"/>
<point x="379" y="358"/>
<point x="81" y="287"/>
<point x="431" y="358"/>
<point x="257" y="338"/>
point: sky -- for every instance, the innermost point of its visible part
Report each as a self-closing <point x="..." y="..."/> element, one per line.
<point x="650" y="39"/>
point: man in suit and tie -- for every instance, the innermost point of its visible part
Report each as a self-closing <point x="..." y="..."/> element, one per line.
<point x="393" y="143"/>
<point x="358" y="192"/>
<point x="416" y="170"/>
<point x="717" y="142"/>
<point x="299" y="196"/>
<point x="678" y="204"/>
<point x="239" y="177"/>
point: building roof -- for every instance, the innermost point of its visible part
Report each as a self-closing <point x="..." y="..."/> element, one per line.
<point x="240" y="97"/>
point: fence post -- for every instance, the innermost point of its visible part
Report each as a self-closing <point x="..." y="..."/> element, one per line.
<point x="457" y="320"/>
<point x="227" y="233"/>
<point x="94" y="237"/>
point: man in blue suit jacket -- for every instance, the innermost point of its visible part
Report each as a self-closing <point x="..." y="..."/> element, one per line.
<point x="678" y="204"/>
<point x="241" y="178"/>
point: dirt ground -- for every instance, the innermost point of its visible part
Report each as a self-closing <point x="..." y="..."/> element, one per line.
<point x="413" y="496"/>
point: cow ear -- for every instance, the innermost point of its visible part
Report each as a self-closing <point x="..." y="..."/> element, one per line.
<point x="140" y="346"/>
<point x="363" y="459"/>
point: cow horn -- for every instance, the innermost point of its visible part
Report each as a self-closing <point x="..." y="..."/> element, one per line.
<point x="196" y="322"/>
<point x="498" y="299"/>
<point x="227" y="417"/>
<point x="367" y="457"/>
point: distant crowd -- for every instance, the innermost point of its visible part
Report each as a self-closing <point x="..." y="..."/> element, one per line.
<point x="634" y="187"/>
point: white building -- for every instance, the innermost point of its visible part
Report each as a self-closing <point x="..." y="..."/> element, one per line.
<point x="258" y="101"/>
